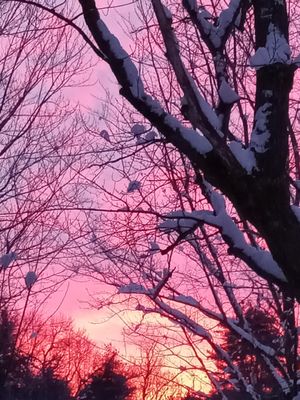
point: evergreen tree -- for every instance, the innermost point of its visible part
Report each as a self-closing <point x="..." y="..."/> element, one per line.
<point x="248" y="358"/>
<point x="46" y="386"/>
<point x="107" y="384"/>
<point x="17" y="382"/>
<point x="14" y="369"/>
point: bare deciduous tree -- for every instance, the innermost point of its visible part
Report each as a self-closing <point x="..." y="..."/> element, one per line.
<point x="41" y="155"/>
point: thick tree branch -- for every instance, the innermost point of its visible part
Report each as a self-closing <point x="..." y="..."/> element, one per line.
<point x="215" y="35"/>
<point x="275" y="75"/>
<point x="263" y="202"/>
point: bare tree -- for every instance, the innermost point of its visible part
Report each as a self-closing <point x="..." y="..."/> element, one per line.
<point x="247" y="175"/>
<point x="42" y="154"/>
<point x="153" y="379"/>
<point x="54" y="343"/>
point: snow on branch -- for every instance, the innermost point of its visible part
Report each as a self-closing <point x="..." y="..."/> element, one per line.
<point x="133" y="288"/>
<point x="194" y="137"/>
<point x="227" y="94"/>
<point x="186" y="300"/>
<point x="260" y="260"/>
<point x="195" y="143"/>
<point x="261" y="135"/>
<point x="192" y="302"/>
<point x="180" y="318"/>
<point x="113" y="43"/>
<point x="280" y="380"/>
<point x="181" y="221"/>
<point x="184" y="222"/>
<point x="176" y="317"/>
<point x="214" y="31"/>
<point x="235" y="369"/>
<point x="200" y="112"/>
<point x="216" y="271"/>
<point x="276" y="50"/>
<point x="267" y="350"/>
<point x="129" y="78"/>
<point x="245" y="156"/>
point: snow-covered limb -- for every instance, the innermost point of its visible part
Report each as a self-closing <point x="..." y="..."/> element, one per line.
<point x="186" y="222"/>
<point x="187" y="300"/>
<point x="134" y="288"/>
<point x="234" y="368"/>
<point x="181" y="221"/>
<point x="193" y="137"/>
<point x="258" y="259"/>
<point x="184" y="321"/>
<point x="220" y="165"/>
<point x="283" y="383"/>
<point x="227" y="94"/>
<point x="191" y="302"/>
<point x="180" y="318"/>
<point x="221" y="157"/>
<point x="276" y="50"/>
<point x="245" y="332"/>
<point x="113" y="43"/>
<point x="214" y="32"/>
<point x="245" y="156"/>
<point x="217" y="271"/>
<point x="130" y="80"/>
<point x="240" y="326"/>
<point x="261" y="135"/>
<point x="200" y="113"/>
<point x="267" y="350"/>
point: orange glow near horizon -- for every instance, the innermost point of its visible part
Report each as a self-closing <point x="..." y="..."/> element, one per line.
<point x="104" y="328"/>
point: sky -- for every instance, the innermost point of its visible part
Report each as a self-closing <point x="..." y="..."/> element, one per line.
<point x="101" y="325"/>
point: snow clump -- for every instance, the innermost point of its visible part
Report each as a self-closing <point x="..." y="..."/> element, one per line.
<point x="7" y="259"/>
<point x="133" y="186"/>
<point x="30" y="279"/>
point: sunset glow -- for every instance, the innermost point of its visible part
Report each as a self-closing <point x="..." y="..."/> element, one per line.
<point x="149" y="200"/>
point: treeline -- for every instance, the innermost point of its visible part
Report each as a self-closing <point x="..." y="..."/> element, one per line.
<point x="57" y="362"/>
<point x="51" y="360"/>
<point x="29" y="371"/>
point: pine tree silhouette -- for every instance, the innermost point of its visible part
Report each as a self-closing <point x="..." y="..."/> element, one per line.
<point x="107" y="384"/>
<point x="248" y="358"/>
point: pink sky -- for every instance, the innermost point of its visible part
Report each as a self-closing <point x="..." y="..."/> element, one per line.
<point x="100" y="325"/>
